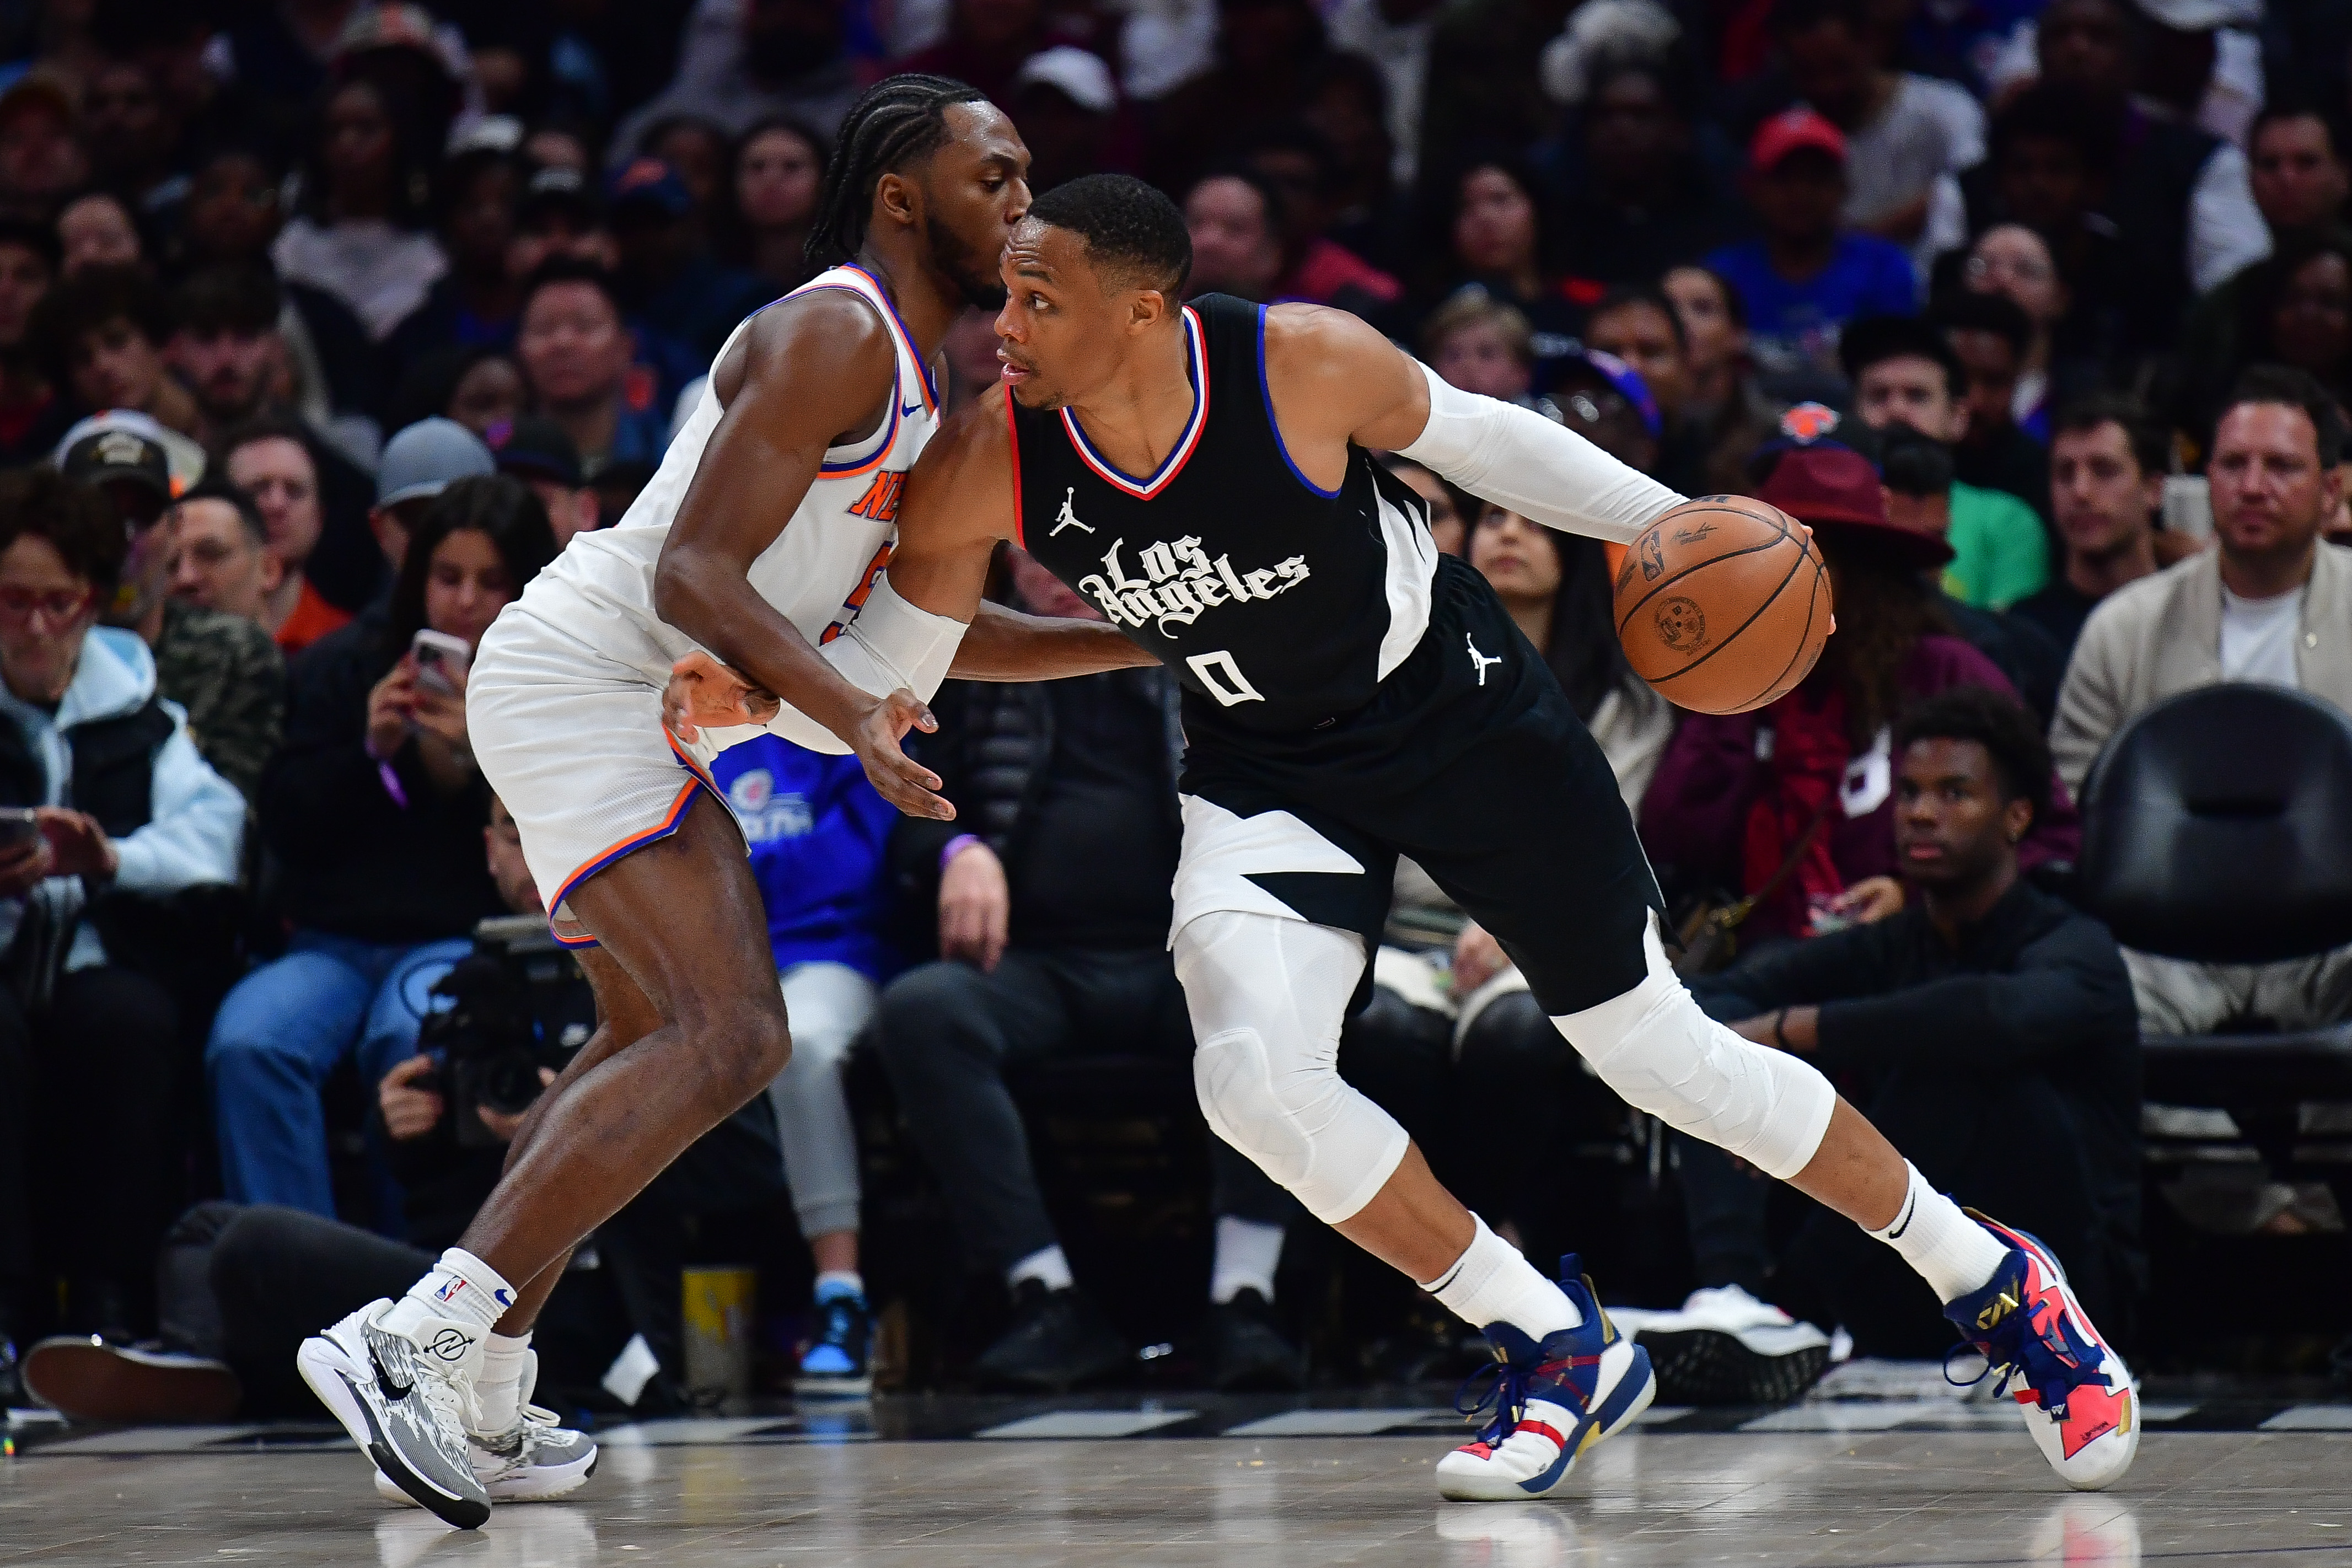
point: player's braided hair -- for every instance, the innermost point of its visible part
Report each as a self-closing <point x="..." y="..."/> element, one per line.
<point x="896" y="121"/>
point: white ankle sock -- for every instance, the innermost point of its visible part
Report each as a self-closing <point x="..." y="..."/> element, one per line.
<point x="1046" y="1266"/>
<point x="1491" y="1283"/>
<point x="1248" y="1251"/>
<point x="460" y="1286"/>
<point x="831" y="1283"/>
<point x="1953" y="1253"/>
<point x="499" y="1388"/>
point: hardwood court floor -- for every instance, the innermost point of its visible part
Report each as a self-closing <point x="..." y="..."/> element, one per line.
<point x="720" y="1494"/>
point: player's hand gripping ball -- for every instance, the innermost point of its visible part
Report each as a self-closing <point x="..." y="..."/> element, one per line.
<point x="1723" y="604"/>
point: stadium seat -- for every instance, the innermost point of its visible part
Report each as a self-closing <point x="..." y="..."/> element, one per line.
<point x="2218" y="828"/>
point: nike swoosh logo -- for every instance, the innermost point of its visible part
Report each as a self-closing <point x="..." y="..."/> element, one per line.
<point x="911" y="410"/>
<point x="384" y="1385"/>
<point x="503" y="1298"/>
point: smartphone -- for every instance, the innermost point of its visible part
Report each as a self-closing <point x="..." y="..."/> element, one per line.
<point x="19" y="825"/>
<point x="439" y="657"/>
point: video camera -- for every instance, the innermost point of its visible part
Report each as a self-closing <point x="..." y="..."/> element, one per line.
<point x="517" y="1003"/>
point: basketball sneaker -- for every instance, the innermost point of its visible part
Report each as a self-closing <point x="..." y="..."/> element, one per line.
<point x="537" y="1459"/>
<point x="407" y="1400"/>
<point x="1546" y="1403"/>
<point x="2075" y="1391"/>
<point x="838" y="1363"/>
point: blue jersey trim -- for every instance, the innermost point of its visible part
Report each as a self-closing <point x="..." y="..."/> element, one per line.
<point x="1265" y="390"/>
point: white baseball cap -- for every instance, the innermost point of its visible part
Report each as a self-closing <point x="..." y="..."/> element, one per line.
<point x="2201" y="15"/>
<point x="1079" y="75"/>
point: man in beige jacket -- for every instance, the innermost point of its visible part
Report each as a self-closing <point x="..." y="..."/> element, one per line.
<point x="2272" y="603"/>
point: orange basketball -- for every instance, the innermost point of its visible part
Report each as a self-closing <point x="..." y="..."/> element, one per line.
<point x="1723" y="604"/>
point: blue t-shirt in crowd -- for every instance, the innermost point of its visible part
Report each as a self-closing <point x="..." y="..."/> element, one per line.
<point x="816" y="830"/>
<point x="1794" y="326"/>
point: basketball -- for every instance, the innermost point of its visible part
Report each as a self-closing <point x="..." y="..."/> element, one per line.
<point x="1723" y="604"/>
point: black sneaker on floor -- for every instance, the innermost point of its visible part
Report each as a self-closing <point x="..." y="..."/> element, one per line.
<point x="1058" y="1341"/>
<point x="87" y="1379"/>
<point x="1246" y="1350"/>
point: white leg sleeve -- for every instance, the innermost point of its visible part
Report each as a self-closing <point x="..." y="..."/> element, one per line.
<point x="827" y="1005"/>
<point x="1267" y="996"/>
<point x="1663" y="1055"/>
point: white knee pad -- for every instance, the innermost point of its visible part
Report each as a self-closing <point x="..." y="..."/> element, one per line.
<point x="1663" y="1055"/>
<point x="1267" y="996"/>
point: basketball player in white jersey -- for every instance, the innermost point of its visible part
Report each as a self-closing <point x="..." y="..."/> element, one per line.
<point x="761" y="538"/>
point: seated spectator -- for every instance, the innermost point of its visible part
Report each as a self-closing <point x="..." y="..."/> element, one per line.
<point x="1723" y="401"/>
<point x="221" y="559"/>
<point x="97" y="230"/>
<point x="1915" y="475"/>
<point x="2107" y="462"/>
<point x="479" y="388"/>
<point x="1316" y="267"/>
<point x="1907" y="136"/>
<point x="771" y="201"/>
<point x="1065" y="102"/>
<point x="42" y="161"/>
<point x="1604" y="400"/>
<point x="1805" y="822"/>
<point x="1904" y="372"/>
<point x="33" y="415"/>
<point x="744" y="63"/>
<point x="817" y="834"/>
<point x="1499" y="240"/>
<point x="1639" y="325"/>
<point x="576" y="352"/>
<point x="276" y="464"/>
<point x="222" y="671"/>
<point x="1041" y="955"/>
<point x="100" y="333"/>
<point x="233" y="217"/>
<point x="1235" y="219"/>
<point x="1480" y="344"/>
<point x="132" y="129"/>
<point x="475" y="303"/>
<point x="564" y="218"/>
<point x="1808" y="275"/>
<point x="535" y="451"/>
<point x="699" y="152"/>
<point x="2269" y="603"/>
<point x="1644" y="198"/>
<point x="359" y="234"/>
<point x="374" y="809"/>
<point x="1990" y="335"/>
<point x="127" y="814"/>
<point x="2294" y="310"/>
<point x="419" y="463"/>
<point x="666" y="277"/>
<point x="1983" y="977"/>
<point x="2013" y="261"/>
<point x="1268" y="53"/>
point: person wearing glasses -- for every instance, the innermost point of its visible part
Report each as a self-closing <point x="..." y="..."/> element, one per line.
<point x="105" y="804"/>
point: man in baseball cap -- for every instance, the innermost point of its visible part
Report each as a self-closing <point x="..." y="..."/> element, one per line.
<point x="535" y="450"/>
<point x="1805" y="277"/>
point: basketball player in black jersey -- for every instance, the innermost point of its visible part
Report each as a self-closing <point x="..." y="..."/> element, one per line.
<point x="1204" y="474"/>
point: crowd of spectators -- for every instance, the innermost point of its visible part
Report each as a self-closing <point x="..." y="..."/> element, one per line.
<point x="325" y="324"/>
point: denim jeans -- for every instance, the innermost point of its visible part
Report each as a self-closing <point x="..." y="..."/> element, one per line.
<point x="288" y="1025"/>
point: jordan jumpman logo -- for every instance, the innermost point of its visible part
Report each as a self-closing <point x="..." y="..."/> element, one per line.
<point x="1479" y="659"/>
<point x="1068" y="518"/>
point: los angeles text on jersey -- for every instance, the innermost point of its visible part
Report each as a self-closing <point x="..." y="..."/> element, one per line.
<point x="1180" y="583"/>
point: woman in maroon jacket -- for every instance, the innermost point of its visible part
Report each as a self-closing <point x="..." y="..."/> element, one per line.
<point x="1736" y="796"/>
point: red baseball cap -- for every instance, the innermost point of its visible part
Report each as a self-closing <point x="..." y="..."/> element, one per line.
<point x="1836" y="488"/>
<point x="1790" y="131"/>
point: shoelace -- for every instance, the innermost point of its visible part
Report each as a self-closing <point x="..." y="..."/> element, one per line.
<point x="450" y="1398"/>
<point x="2053" y="1371"/>
<point x="1504" y="1396"/>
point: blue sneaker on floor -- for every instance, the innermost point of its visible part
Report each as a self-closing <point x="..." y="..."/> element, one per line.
<point x="1547" y="1403"/>
<point x="837" y="1364"/>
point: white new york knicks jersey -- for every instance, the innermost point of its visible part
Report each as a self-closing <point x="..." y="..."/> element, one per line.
<point x="821" y="566"/>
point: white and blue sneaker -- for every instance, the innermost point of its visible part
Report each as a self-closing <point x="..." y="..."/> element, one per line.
<point x="407" y="1400"/>
<point x="1547" y="1403"/>
<point x="838" y="1364"/>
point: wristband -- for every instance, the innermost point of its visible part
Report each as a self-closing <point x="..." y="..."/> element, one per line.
<point x="957" y="846"/>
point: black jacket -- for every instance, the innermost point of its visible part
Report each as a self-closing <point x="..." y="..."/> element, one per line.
<point x="992" y="747"/>
<point x="348" y="859"/>
<point x="2035" y="987"/>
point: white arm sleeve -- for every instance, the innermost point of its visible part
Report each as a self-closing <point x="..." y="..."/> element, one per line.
<point x="1517" y="459"/>
<point x="891" y="644"/>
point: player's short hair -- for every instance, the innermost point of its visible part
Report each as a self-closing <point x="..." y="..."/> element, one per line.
<point x="2151" y="443"/>
<point x="896" y="123"/>
<point x="2296" y="389"/>
<point x="1133" y="232"/>
<point x="1995" y="721"/>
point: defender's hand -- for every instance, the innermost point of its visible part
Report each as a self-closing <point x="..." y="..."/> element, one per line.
<point x="902" y="781"/>
<point x="704" y="692"/>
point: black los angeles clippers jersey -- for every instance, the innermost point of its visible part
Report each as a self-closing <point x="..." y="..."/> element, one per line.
<point x="1278" y="606"/>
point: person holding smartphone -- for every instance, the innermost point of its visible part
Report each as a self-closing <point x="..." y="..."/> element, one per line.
<point x="373" y="813"/>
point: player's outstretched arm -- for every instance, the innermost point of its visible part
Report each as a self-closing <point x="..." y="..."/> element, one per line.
<point x="807" y="375"/>
<point x="1336" y="380"/>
